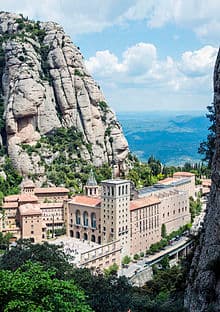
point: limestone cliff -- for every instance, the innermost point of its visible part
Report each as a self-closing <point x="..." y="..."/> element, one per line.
<point x="203" y="291"/>
<point x="45" y="86"/>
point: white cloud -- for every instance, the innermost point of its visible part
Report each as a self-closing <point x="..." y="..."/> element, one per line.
<point x="76" y="16"/>
<point x="199" y="62"/>
<point x="201" y="16"/>
<point x="86" y="16"/>
<point x="140" y="68"/>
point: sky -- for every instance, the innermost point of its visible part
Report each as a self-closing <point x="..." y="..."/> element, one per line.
<point x="147" y="55"/>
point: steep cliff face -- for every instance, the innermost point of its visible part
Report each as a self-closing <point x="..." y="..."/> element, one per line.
<point x="203" y="291"/>
<point x="45" y="86"/>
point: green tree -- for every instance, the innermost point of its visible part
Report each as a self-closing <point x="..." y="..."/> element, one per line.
<point x="104" y="293"/>
<point x="32" y="289"/>
<point x="112" y="270"/>
<point x="126" y="260"/>
<point x="163" y="231"/>
<point x="207" y="147"/>
<point x="50" y="256"/>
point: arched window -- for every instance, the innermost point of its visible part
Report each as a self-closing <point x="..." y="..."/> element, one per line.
<point x="71" y="233"/>
<point x="85" y="236"/>
<point x="78" y="217"/>
<point x="77" y="235"/>
<point x="93" y="238"/>
<point x="85" y="218"/>
<point x="93" y="220"/>
<point x="99" y="239"/>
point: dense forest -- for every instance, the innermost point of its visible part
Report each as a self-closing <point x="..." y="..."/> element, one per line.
<point x="39" y="278"/>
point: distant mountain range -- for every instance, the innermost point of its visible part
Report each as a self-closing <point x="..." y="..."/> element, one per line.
<point x="173" y="138"/>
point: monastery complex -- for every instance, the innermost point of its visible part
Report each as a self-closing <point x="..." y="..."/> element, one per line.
<point x="110" y="218"/>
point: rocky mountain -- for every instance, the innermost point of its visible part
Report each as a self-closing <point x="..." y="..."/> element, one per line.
<point x="50" y="106"/>
<point x="203" y="291"/>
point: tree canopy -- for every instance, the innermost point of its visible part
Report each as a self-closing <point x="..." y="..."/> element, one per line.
<point x="32" y="289"/>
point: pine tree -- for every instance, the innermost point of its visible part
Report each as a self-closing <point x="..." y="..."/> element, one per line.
<point x="207" y="147"/>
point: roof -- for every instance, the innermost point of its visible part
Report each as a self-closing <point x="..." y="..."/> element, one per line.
<point x="206" y="182"/>
<point x="86" y="200"/>
<point x="183" y="174"/>
<point x="143" y="202"/>
<point x="21" y="198"/>
<point x="51" y="205"/>
<point x="28" y="183"/>
<point x="10" y="205"/>
<point x="30" y="209"/>
<point x="115" y="181"/>
<point x="91" y="179"/>
<point x="166" y="181"/>
<point x="46" y="190"/>
<point x="11" y="198"/>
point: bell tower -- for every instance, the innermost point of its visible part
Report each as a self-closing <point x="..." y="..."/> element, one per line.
<point x="91" y="188"/>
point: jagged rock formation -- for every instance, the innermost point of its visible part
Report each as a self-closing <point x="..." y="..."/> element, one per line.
<point x="45" y="86"/>
<point x="203" y="291"/>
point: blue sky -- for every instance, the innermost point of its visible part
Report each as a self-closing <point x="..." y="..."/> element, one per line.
<point x="147" y="55"/>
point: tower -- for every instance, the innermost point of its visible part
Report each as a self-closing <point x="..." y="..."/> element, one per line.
<point x="115" y="212"/>
<point x="91" y="188"/>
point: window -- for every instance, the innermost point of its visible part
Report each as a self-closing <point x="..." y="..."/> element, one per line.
<point x="85" y="218"/>
<point x="93" y="220"/>
<point x="78" y="221"/>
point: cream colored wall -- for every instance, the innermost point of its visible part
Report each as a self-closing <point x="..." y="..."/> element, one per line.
<point x="145" y="228"/>
<point x="81" y="229"/>
<point x="51" y="197"/>
<point x="53" y="216"/>
<point x="31" y="227"/>
<point x="103" y="256"/>
<point x="115" y="213"/>
<point x="174" y="211"/>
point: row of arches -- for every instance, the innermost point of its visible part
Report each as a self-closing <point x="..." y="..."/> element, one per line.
<point x="86" y="218"/>
<point x="85" y="236"/>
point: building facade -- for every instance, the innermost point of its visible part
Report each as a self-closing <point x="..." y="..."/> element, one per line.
<point x="104" y="216"/>
<point x="144" y="223"/>
<point x="115" y="213"/>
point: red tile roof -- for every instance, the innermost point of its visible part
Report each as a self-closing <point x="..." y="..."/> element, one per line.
<point x="143" y="202"/>
<point x="183" y="174"/>
<point x="86" y="200"/>
<point x="21" y="198"/>
<point x="166" y="181"/>
<point x="10" y="205"/>
<point x="30" y="209"/>
<point x="48" y="190"/>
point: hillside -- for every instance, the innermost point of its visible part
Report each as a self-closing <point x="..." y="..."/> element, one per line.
<point x="52" y="112"/>
<point x="172" y="137"/>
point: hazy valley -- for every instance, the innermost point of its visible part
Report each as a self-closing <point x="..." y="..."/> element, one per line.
<point x="172" y="137"/>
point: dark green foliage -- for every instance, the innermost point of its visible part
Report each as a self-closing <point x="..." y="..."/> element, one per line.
<point x="105" y="293"/>
<point x="207" y="147"/>
<point x="78" y="73"/>
<point x="4" y="239"/>
<point x="50" y="256"/>
<point x="195" y="207"/>
<point x="103" y="105"/>
<point x="31" y="288"/>
<point x="126" y="260"/>
<point x="136" y="257"/>
<point x="163" y="231"/>
<point x="44" y="50"/>
<point x="142" y="174"/>
<point x="13" y="180"/>
<point x="165" y="241"/>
